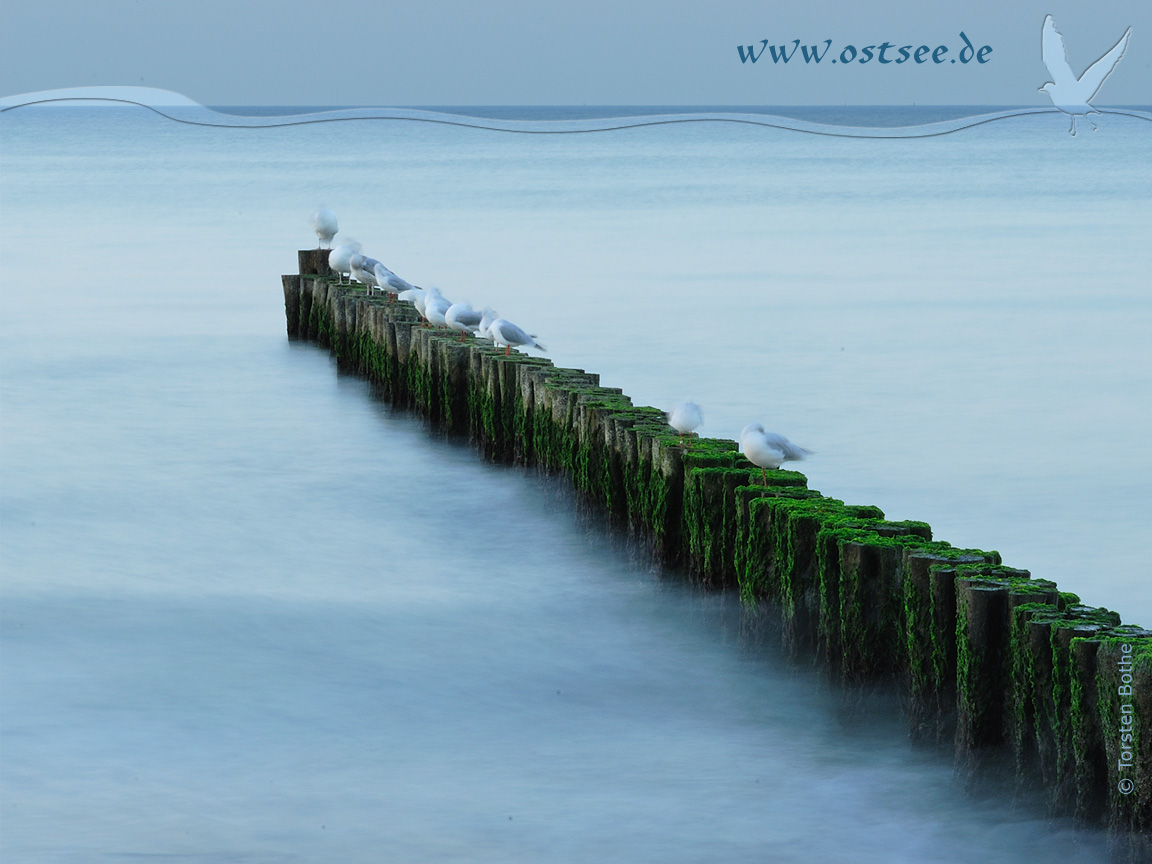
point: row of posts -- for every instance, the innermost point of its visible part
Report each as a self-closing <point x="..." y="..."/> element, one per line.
<point x="1016" y="677"/>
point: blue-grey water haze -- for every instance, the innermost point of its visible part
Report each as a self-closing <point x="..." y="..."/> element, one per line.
<point x="250" y="613"/>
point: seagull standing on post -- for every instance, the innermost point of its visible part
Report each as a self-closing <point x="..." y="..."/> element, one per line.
<point x="435" y="307"/>
<point x="767" y="449"/>
<point x="504" y="332"/>
<point x="388" y="281"/>
<point x="462" y="317"/>
<point x="340" y="259"/>
<point x="684" y="417"/>
<point x="1067" y="92"/>
<point x="363" y="270"/>
<point x="324" y="224"/>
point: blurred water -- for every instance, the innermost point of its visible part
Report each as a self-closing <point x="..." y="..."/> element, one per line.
<point x="251" y="614"/>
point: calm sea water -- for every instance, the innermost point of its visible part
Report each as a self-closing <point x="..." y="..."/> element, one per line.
<point x="250" y="614"/>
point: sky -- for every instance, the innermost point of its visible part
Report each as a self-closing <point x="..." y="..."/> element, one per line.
<point x="593" y="52"/>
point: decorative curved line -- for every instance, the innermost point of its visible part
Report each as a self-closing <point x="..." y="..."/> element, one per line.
<point x="557" y="127"/>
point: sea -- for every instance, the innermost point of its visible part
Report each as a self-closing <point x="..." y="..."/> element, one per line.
<point x="251" y="613"/>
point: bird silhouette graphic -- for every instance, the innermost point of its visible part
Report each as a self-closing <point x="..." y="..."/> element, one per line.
<point x="1067" y="92"/>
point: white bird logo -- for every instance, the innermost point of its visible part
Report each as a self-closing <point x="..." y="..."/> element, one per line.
<point x="1067" y="92"/>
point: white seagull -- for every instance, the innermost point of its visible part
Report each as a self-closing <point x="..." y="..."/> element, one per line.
<point x="324" y="224"/>
<point x="1067" y="92"/>
<point x="435" y="306"/>
<point x="415" y="296"/>
<point x="386" y="280"/>
<point x="340" y="258"/>
<point x="504" y="332"/>
<point x="767" y="449"/>
<point x="462" y="317"/>
<point x="486" y="318"/>
<point x="363" y="270"/>
<point x="684" y="417"/>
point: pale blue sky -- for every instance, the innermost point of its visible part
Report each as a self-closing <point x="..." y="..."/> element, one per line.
<point x="653" y="52"/>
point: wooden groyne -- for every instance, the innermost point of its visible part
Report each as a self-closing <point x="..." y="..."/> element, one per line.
<point x="1004" y="669"/>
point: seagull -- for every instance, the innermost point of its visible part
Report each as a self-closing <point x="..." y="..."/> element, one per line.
<point x="363" y="270"/>
<point x="324" y="224"/>
<point x="1067" y="92"/>
<point x="340" y="258"/>
<point x="435" y="306"/>
<point x="385" y="277"/>
<point x="415" y="296"/>
<point x="684" y="417"/>
<point x="462" y="317"/>
<point x="767" y="449"/>
<point x="489" y="315"/>
<point x="504" y="332"/>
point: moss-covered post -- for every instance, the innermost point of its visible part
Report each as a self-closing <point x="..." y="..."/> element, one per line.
<point x="703" y="514"/>
<point x="1124" y="702"/>
<point x="322" y="312"/>
<point x="493" y="439"/>
<point x="397" y="333"/>
<point x="452" y="384"/>
<point x="648" y="493"/>
<point x="872" y="624"/>
<point x="797" y="568"/>
<point x="942" y="613"/>
<point x="710" y="510"/>
<point x="667" y="485"/>
<point x="1031" y="663"/>
<point x="753" y="554"/>
<point x="309" y="308"/>
<point x="374" y="342"/>
<point x="981" y="649"/>
<point x="1057" y="704"/>
<point x="529" y="384"/>
<point x="922" y="636"/>
<point x="345" y="309"/>
<point x="592" y="409"/>
<point x="339" y="332"/>
<point x="1091" y="770"/>
<point x="759" y="536"/>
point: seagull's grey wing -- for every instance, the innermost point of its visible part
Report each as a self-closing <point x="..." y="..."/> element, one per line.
<point x="394" y="281"/>
<point x="1095" y="74"/>
<point x="468" y="319"/>
<point x="1056" y="55"/>
<point x="791" y="451"/>
<point x="514" y="334"/>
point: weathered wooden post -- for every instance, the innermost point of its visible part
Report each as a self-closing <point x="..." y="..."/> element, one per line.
<point x="924" y="649"/>
<point x="1124" y="701"/>
<point x="292" y="304"/>
<point x="314" y="262"/>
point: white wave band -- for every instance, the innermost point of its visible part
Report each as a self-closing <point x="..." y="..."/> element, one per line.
<point x="179" y="108"/>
